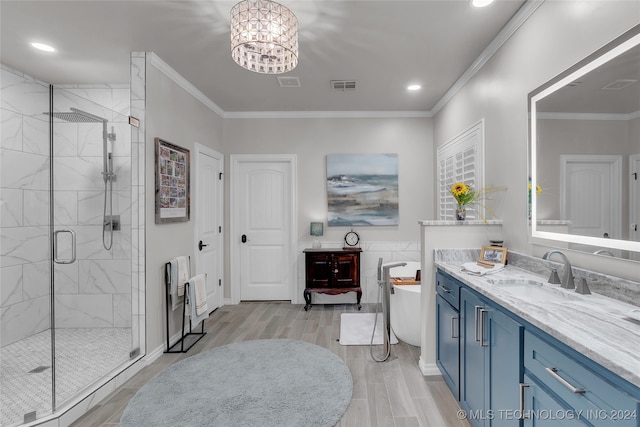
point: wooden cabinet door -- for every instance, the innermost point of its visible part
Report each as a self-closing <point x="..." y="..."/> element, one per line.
<point x="448" y="344"/>
<point x="319" y="270"/>
<point x="472" y="358"/>
<point x="504" y="368"/>
<point x="345" y="271"/>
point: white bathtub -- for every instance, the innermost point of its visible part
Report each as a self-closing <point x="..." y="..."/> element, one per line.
<point x="405" y="306"/>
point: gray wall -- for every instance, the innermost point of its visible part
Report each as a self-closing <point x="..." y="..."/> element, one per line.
<point x="555" y="37"/>
<point x="558" y="35"/>
<point x="312" y="139"/>
<point x="177" y="117"/>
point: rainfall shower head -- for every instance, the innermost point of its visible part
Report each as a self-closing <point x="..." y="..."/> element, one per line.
<point x="77" y="116"/>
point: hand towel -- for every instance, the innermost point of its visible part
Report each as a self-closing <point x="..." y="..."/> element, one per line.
<point x="198" y="310"/>
<point x="179" y="275"/>
<point x="478" y="270"/>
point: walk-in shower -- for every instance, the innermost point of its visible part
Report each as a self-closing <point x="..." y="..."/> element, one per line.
<point x="69" y="290"/>
<point x="109" y="221"/>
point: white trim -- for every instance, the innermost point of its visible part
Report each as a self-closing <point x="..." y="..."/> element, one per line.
<point x="234" y="244"/>
<point x="325" y="114"/>
<point x="172" y="74"/>
<point x="428" y="369"/>
<point x="588" y="116"/>
<point x="519" y="18"/>
<point x="199" y="150"/>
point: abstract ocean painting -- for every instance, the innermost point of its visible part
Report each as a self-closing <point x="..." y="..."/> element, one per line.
<point x="362" y="189"/>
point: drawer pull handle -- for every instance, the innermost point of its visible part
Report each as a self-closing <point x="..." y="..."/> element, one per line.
<point x="482" y="327"/>
<point x="444" y="288"/>
<point x="554" y="373"/>
<point x="476" y="309"/>
<point x="453" y="327"/>
<point x="523" y="415"/>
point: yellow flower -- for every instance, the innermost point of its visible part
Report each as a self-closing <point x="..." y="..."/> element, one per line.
<point x="459" y="189"/>
<point x="538" y="188"/>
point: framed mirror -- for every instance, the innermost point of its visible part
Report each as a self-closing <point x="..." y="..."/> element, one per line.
<point x="584" y="150"/>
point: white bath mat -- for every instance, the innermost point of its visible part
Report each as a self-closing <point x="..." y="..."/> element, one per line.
<point x="356" y="329"/>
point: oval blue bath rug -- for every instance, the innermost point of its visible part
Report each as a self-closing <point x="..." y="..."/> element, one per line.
<point x="249" y="383"/>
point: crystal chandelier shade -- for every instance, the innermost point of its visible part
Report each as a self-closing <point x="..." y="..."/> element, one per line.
<point x="264" y="37"/>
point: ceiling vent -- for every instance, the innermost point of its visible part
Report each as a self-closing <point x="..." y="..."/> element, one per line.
<point x="619" y="84"/>
<point x="289" y="82"/>
<point x="343" y="85"/>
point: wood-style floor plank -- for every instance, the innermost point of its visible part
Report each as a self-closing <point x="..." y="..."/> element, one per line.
<point x="385" y="394"/>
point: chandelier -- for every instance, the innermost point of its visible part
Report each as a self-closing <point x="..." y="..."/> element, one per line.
<point x="264" y="37"/>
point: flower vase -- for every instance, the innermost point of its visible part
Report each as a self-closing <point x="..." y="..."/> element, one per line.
<point x="461" y="213"/>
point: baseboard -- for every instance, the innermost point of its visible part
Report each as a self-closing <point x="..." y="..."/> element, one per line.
<point x="428" y="369"/>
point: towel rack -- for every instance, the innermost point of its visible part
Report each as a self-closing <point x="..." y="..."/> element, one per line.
<point x="183" y="335"/>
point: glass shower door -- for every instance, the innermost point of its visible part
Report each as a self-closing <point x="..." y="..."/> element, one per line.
<point x="91" y="238"/>
<point x="26" y="365"/>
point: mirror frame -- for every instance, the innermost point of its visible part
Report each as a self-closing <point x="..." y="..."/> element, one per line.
<point x="611" y="50"/>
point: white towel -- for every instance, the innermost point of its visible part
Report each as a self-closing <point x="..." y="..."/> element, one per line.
<point x="198" y="310"/>
<point x="478" y="270"/>
<point x="178" y="276"/>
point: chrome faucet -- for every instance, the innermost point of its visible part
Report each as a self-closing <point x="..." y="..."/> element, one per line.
<point x="567" y="279"/>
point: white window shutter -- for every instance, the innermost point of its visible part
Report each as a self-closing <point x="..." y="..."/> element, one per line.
<point x="460" y="160"/>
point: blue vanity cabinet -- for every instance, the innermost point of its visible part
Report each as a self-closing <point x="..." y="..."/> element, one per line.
<point x="490" y="362"/>
<point x="448" y="331"/>
<point x="543" y="410"/>
<point x="562" y="383"/>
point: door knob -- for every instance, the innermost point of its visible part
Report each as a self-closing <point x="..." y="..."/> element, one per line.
<point x="201" y="245"/>
<point x="244" y="238"/>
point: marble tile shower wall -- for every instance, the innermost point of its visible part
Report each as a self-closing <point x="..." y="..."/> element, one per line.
<point x="95" y="291"/>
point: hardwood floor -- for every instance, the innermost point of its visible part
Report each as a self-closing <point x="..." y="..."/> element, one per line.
<point x="391" y="393"/>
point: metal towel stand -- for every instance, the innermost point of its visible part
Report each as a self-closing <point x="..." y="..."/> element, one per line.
<point x="183" y="335"/>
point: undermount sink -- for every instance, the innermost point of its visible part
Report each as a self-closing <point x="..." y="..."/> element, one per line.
<point x="532" y="289"/>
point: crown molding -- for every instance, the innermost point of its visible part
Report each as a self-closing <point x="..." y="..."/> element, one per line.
<point x="168" y="71"/>
<point x="324" y="114"/>
<point x="588" y="116"/>
<point x="520" y="17"/>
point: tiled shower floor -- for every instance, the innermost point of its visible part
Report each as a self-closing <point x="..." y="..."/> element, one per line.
<point x="83" y="356"/>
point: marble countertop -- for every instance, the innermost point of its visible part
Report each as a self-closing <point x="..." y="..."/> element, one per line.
<point x="596" y="326"/>
<point x="460" y="223"/>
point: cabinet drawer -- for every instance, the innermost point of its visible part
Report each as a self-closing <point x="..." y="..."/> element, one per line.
<point x="449" y="289"/>
<point x="598" y="401"/>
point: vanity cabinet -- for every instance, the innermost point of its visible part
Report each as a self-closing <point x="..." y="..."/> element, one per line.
<point x="561" y="381"/>
<point x="536" y="396"/>
<point x="448" y="331"/>
<point x="511" y="373"/>
<point x="333" y="272"/>
<point x="490" y="362"/>
<point x="479" y="352"/>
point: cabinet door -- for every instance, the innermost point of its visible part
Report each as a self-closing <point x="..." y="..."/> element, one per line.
<point x="502" y="341"/>
<point x="345" y="271"/>
<point x="472" y="358"/>
<point x="542" y="410"/>
<point x="319" y="270"/>
<point x="448" y="344"/>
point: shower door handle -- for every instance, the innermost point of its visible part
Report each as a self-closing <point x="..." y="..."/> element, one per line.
<point x="73" y="247"/>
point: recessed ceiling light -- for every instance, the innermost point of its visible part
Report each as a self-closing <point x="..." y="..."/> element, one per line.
<point x="481" y="3"/>
<point x="42" y="46"/>
<point x="414" y="87"/>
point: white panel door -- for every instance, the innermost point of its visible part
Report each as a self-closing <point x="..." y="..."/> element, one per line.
<point x="264" y="225"/>
<point x="209" y="208"/>
<point x="591" y="195"/>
